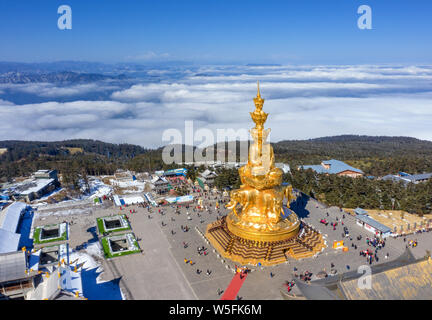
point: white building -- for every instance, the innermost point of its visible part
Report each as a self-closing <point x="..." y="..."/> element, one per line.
<point x="9" y="220"/>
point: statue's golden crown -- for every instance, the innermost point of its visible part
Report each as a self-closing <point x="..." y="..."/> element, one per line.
<point x="259" y="118"/>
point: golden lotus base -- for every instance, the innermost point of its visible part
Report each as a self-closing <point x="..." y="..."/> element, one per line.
<point x="252" y="252"/>
<point x="284" y="230"/>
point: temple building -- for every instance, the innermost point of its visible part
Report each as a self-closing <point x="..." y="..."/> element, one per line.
<point x="208" y="177"/>
<point x="335" y="167"/>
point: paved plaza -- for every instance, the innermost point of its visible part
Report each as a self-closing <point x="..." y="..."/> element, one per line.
<point x="160" y="271"/>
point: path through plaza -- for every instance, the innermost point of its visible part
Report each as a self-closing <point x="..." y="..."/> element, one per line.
<point x="234" y="286"/>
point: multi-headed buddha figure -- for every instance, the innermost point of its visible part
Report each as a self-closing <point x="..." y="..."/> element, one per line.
<point x="261" y="195"/>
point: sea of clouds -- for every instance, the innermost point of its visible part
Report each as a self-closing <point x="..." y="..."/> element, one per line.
<point x="303" y="102"/>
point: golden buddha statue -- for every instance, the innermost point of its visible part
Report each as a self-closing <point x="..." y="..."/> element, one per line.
<point x="259" y="229"/>
<point x="261" y="195"/>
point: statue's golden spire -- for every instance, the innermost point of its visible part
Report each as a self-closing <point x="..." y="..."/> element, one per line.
<point x="259" y="116"/>
<point x="258" y="93"/>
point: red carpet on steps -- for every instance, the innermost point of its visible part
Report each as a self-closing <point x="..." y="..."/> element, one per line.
<point x="234" y="287"/>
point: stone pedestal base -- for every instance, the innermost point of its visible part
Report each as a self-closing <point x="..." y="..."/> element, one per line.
<point x="303" y="245"/>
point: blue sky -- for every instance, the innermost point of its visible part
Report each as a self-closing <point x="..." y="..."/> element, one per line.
<point x="204" y="31"/>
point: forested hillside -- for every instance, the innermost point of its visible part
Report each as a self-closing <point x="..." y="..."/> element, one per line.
<point x="376" y="156"/>
<point x="94" y="157"/>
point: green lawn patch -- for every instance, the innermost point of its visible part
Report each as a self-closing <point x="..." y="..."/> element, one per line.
<point x="119" y="245"/>
<point x="50" y="233"/>
<point x="115" y="223"/>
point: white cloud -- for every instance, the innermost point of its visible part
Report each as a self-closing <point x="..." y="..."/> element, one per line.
<point x="303" y="102"/>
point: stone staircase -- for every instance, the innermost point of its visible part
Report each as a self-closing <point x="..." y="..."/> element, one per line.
<point x="267" y="253"/>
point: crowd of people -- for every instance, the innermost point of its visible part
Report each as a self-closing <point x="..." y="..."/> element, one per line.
<point x="370" y="255"/>
<point x="289" y="285"/>
<point x="203" y="204"/>
<point x="412" y="243"/>
<point x="375" y="242"/>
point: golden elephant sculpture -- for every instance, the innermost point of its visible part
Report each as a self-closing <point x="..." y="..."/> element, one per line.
<point x="260" y="206"/>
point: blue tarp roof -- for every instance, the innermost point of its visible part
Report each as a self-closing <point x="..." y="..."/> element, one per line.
<point x="181" y="171"/>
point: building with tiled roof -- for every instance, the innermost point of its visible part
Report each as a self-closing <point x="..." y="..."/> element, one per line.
<point x="335" y="167"/>
<point x="408" y="178"/>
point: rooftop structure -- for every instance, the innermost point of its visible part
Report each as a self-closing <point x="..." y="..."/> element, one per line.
<point x="10" y="216"/>
<point x="9" y="221"/>
<point x="408" y="178"/>
<point x="372" y="225"/>
<point x="46" y="174"/>
<point x="334" y="167"/>
<point x="13" y="266"/>
<point x="360" y="211"/>
<point x="208" y="176"/>
<point x="182" y="199"/>
<point x="123" y="200"/>
<point x="175" y="172"/>
<point x="161" y="184"/>
<point x="44" y="181"/>
<point x="15" y="280"/>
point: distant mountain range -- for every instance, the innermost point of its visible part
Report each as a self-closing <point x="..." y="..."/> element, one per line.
<point x="86" y="67"/>
<point x="349" y="146"/>
<point x="56" y="77"/>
